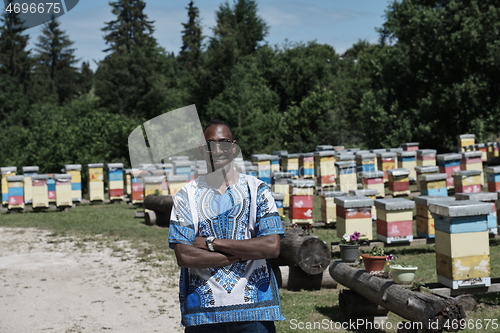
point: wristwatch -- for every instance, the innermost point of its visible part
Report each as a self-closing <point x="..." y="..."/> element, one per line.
<point x="210" y="243"/>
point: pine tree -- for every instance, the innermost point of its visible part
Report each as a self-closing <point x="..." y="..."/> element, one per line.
<point x="131" y="27"/>
<point x="55" y="61"/>
<point x="192" y="39"/>
<point x="85" y="79"/>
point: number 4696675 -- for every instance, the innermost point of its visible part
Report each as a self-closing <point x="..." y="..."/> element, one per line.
<point x="25" y="7"/>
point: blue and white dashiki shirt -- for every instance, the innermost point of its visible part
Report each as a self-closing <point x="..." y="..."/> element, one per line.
<point x="243" y="291"/>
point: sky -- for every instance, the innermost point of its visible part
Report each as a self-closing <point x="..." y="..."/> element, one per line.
<point x="339" y="23"/>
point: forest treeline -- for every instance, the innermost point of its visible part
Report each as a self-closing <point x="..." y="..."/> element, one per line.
<point x="434" y="74"/>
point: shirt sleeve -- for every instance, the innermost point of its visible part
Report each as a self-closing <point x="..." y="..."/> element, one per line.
<point x="268" y="221"/>
<point x="181" y="230"/>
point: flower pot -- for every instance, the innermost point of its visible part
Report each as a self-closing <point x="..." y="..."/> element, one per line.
<point x="403" y="275"/>
<point x="349" y="253"/>
<point x="373" y="263"/>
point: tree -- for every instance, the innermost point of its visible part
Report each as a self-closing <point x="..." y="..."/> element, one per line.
<point x="86" y="78"/>
<point x="190" y="53"/>
<point x="131" y="27"/>
<point x="55" y="61"/>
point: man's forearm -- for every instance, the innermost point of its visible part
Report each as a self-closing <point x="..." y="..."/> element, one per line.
<point x="263" y="247"/>
<point x="189" y="256"/>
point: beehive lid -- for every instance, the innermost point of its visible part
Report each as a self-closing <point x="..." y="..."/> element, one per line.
<point x="430" y="177"/>
<point x="324" y="147"/>
<point x="460" y="208"/>
<point x="466" y="136"/>
<point x="278" y="196"/>
<point x="62" y="176"/>
<point x="425" y="200"/>
<point x="302" y="182"/>
<point x="480" y="196"/>
<point x="398" y="172"/>
<point x="378" y="151"/>
<point x="295" y="155"/>
<point x="251" y="168"/>
<point x="338" y="148"/>
<point x="427" y="169"/>
<point x="394" y="204"/>
<point x="325" y="153"/>
<point x="280" y="152"/>
<point x="115" y="165"/>
<point x="95" y="165"/>
<point x="395" y="150"/>
<point x="472" y="154"/>
<point x="154" y="179"/>
<point x="478" y="145"/>
<point x="15" y="178"/>
<point x="387" y="154"/>
<point x="363" y="192"/>
<point x="345" y="164"/>
<point x="246" y="163"/>
<point x="449" y="157"/>
<point x="345" y="157"/>
<point x="178" y="178"/>
<point x="422" y="152"/>
<point x="73" y="167"/>
<point x="409" y="144"/>
<point x="466" y="173"/>
<point x="7" y="170"/>
<point x="365" y="156"/>
<point x="39" y="177"/>
<point x="164" y="165"/>
<point x="310" y="154"/>
<point x="492" y="144"/>
<point x="261" y="157"/>
<point x="274" y="157"/>
<point x="493" y="169"/>
<point x="30" y="169"/>
<point x="281" y="174"/>
<point x="179" y="158"/>
<point x="333" y="194"/>
<point x="405" y="153"/>
<point x="373" y="174"/>
<point x="182" y="163"/>
<point x="353" y="150"/>
<point x="353" y="201"/>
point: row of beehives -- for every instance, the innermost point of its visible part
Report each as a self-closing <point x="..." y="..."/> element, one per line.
<point x="40" y="190"/>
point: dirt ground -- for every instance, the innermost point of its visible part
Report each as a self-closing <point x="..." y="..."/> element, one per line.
<point x="57" y="284"/>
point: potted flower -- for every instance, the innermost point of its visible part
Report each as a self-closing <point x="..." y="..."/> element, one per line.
<point x="375" y="259"/>
<point x="349" y="245"/>
<point x="402" y="273"/>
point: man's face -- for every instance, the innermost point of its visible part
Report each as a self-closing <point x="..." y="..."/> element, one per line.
<point x="217" y="155"/>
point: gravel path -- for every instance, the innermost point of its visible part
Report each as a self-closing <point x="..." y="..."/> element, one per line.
<point x="62" y="284"/>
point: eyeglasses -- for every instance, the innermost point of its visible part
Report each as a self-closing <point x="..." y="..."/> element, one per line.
<point x="225" y="145"/>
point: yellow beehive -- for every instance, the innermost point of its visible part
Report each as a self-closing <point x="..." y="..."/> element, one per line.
<point x="6" y="171"/>
<point x="328" y="206"/>
<point x="425" y="170"/>
<point x="176" y="182"/>
<point x="408" y="160"/>
<point x="96" y="181"/>
<point x="465" y="140"/>
<point x="424" y="219"/>
<point x="346" y="175"/>
<point x="283" y="189"/>
<point x="28" y="171"/>
<point x="349" y="226"/>
<point x="39" y="191"/>
<point x="152" y="185"/>
<point x="63" y="190"/>
<point x="75" y="170"/>
<point x="471" y="160"/>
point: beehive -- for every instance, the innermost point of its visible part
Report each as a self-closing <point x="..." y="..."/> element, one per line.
<point x="183" y="167"/>
<point x="280" y="185"/>
<point x="153" y="184"/>
<point x="433" y="184"/>
<point x="278" y="200"/>
<point x="280" y="154"/>
<point x="275" y="163"/>
<point x="482" y="148"/>
<point x="301" y="201"/>
<point x="465" y="140"/>
<point x="426" y="157"/>
<point x="263" y="164"/>
<point x="306" y="165"/>
<point x="96" y="182"/>
<point x="425" y="170"/>
<point x="487" y="197"/>
<point x="51" y="188"/>
<point x="164" y="184"/>
<point x="491" y="150"/>
<point x="328" y="206"/>
<point x="290" y="163"/>
<point x="493" y="178"/>
<point x="399" y="182"/>
<point x="386" y="161"/>
<point x="354" y="213"/>
<point x="346" y="176"/>
<point x="448" y="164"/>
<point x="137" y="182"/>
<point x="394" y="220"/>
<point x="324" y="147"/>
<point x="6" y="171"/>
<point x="468" y="181"/>
<point x="424" y="219"/>
<point x="251" y="170"/>
<point x="369" y="193"/>
<point x="471" y="160"/>
<point x="176" y="182"/>
<point x="408" y="160"/>
<point x="462" y="246"/>
<point x="28" y="171"/>
<point x="75" y="170"/>
<point x="15" y="192"/>
<point x="374" y="180"/>
<point x="324" y="168"/>
<point x="39" y="191"/>
<point x="409" y="146"/>
<point x="116" y="185"/>
<point x="365" y="162"/>
<point x="63" y="190"/>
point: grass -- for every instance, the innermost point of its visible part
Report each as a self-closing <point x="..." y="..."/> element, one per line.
<point x="109" y="224"/>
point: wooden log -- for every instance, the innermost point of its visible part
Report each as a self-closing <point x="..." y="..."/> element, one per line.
<point x="433" y="311"/>
<point x="150" y="217"/>
<point x="300" y="280"/>
<point x="353" y="304"/>
<point x="284" y="277"/>
<point x="310" y="253"/>
<point x="159" y="203"/>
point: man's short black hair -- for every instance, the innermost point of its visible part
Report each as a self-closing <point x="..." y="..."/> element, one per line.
<point x="217" y="122"/>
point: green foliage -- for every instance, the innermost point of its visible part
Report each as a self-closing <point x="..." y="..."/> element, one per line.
<point x="190" y="54"/>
